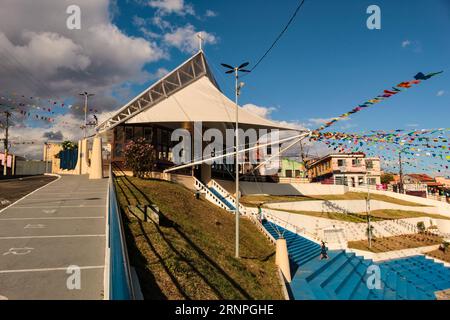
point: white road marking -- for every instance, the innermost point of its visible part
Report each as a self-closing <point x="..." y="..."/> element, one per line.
<point x="18" y="251"/>
<point x="60" y="236"/>
<point x="71" y="193"/>
<point x="48" y="269"/>
<point x="49" y="211"/>
<point x="50" y="218"/>
<point x="35" y="226"/>
<point x="49" y="207"/>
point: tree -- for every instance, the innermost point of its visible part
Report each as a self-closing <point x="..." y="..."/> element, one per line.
<point x="140" y="157"/>
<point x="386" y="178"/>
<point x="68" y="145"/>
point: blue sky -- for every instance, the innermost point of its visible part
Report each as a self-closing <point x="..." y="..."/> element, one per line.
<point x="328" y="61"/>
<point x="326" y="64"/>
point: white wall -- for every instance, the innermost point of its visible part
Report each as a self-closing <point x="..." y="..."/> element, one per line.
<point x="285" y="189"/>
<point x="441" y="207"/>
<point x="351" y="231"/>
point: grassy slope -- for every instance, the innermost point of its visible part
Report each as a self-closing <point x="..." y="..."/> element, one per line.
<point x="253" y="200"/>
<point x="192" y="256"/>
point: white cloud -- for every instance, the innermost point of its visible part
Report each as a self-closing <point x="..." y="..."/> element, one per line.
<point x="139" y="21"/>
<point x="406" y="43"/>
<point x="158" y="74"/>
<point x="172" y="6"/>
<point x="44" y="58"/>
<point x="263" y="112"/>
<point x="186" y="39"/>
<point x="440" y="93"/>
<point x="414" y="45"/>
<point x="266" y="112"/>
<point x="210" y="14"/>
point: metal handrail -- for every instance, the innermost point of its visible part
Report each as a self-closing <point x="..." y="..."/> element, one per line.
<point x="201" y="187"/>
<point x="120" y="280"/>
<point x="228" y="195"/>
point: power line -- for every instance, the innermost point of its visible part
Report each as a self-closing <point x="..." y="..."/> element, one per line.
<point x="280" y="35"/>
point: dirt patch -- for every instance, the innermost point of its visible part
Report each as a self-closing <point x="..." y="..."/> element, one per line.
<point x="441" y="255"/>
<point x="387" y="244"/>
<point x="14" y="189"/>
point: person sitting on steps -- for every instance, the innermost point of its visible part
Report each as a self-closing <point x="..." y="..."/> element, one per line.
<point x="323" y="251"/>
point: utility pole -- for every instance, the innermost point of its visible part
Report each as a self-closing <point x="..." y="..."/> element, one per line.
<point x="369" y="227"/>
<point x="238" y="87"/>
<point x="400" y="187"/>
<point x="86" y="96"/>
<point x="6" y="144"/>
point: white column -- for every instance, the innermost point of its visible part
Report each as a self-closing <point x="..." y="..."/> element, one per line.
<point x="96" y="169"/>
<point x="84" y="157"/>
<point x="282" y="259"/>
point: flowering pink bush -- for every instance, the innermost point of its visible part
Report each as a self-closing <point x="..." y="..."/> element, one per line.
<point x="140" y="157"/>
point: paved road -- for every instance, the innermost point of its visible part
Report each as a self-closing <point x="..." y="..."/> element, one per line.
<point x="60" y="225"/>
<point x="15" y="188"/>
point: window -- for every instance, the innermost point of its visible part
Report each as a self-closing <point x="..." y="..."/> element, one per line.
<point x="297" y="173"/>
<point x="138" y="132"/>
<point x="128" y="133"/>
<point x="341" y="162"/>
<point x="339" y="180"/>
<point x="369" y="164"/>
<point x="158" y="136"/>
<point x="148" y="134"/>
<point x="289" y="173"/>
<point x="356" y="162"/>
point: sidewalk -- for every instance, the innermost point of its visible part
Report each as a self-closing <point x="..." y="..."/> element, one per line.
<point x="60" y="225"/>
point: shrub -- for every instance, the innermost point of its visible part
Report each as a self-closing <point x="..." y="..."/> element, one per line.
<point x="68" y="145"/>
<point x="386" y="178"/>
<point x="140" y="157"/>
<point x="421" y="227"/>
<point x="445" y="245"/>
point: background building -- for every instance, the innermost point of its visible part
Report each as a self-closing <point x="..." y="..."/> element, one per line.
<point x="352" y="169"/>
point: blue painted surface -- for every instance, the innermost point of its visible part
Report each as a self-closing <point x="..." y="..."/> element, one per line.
<point x="344" y="275"/>
<point x="120" y="287"/>
<point x="223" y="199"/>
<point x="68" y="159"/>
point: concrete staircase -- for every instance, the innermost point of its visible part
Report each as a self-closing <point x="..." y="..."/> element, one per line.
<point x="230" y="206"/>
<point x="344" y="275"/>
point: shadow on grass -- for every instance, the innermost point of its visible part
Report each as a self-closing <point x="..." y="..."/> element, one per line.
<point x="148" y="283"/>
<point x="170" y="224"/>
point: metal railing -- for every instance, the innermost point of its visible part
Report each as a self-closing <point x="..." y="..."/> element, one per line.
<point x="211" y="197"/>
<point x="120" y="284"/>
<point x="224" y="193"/>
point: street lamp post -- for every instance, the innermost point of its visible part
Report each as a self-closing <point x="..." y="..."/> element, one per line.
<point x="238" y="87"/>
<point x="86" y="96"/>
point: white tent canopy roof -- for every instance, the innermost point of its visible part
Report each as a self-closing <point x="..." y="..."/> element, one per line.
<point x="200" y="101"/>
<point x="187" y="94"/>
